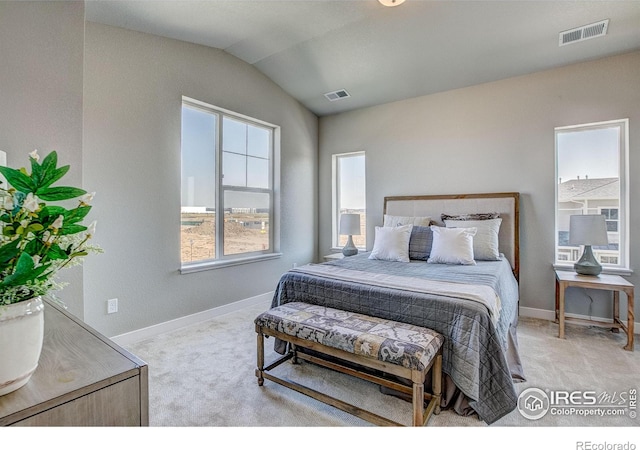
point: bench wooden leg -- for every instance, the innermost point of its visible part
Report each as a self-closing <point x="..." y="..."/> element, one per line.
<point x="418" y="404"/>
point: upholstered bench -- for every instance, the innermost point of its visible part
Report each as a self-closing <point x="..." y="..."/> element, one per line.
<point x="338" y="338"/>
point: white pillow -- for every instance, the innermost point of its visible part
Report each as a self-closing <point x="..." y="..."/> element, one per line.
<point x="394" y="221"/>
<point x="452" y="246"/>
<point x="392" y="243"/>
<point x="485" y="242"/>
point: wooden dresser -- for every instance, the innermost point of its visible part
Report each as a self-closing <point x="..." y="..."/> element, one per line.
<point x="83" y="379"/>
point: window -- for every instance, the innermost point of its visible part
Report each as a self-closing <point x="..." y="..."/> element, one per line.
<point x="591" y="169"/>
<point x="228" y="186"/>
<point x="349" y="195"/>
<point x="611" y="218"/>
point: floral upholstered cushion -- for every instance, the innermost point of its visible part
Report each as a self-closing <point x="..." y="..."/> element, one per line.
<point x="397" y="343"/>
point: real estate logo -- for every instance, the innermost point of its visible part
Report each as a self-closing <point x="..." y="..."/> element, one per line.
<point x="535" y="403"/>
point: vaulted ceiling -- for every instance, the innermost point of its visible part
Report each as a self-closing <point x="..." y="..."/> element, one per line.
<point x="380" y="54"/>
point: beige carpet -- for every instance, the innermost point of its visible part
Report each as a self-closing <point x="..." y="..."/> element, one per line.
<point x="203" y="376"/>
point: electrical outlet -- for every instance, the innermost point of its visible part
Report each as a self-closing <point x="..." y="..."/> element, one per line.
<point x="112" y="306"/>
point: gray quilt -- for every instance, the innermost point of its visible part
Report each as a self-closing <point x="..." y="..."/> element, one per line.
<point x="476" y="354"/>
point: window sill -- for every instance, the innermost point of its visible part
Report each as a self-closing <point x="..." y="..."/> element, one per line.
<point x="605" y="270"/>
<point x="209" y="265"/>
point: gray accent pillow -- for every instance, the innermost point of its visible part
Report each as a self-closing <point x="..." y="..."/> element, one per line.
<point x="420" y="243"/>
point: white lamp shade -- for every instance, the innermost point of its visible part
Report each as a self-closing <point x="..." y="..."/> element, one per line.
<point x="588" y="229"/>
<point x="391" y="2"/>
<point x="350" y="224"/>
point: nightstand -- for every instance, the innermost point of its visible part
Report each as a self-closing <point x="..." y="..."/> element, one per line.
<point x="614" y="283"/>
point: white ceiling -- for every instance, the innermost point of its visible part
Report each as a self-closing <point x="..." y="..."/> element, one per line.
<point x="380" y="54"/>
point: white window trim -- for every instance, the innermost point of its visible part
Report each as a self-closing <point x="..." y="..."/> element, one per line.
<point x="623" y="267"/>
<point x="274" y="225"/>
<point x="335" y="196"/>
<point x="200" y="266"/>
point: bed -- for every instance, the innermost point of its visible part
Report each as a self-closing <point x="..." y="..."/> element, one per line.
<point x="433" y="284"/>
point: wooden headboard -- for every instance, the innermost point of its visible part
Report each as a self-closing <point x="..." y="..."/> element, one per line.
<point x="505" y="203"/>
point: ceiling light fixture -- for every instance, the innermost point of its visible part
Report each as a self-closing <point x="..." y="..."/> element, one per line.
<point x="391" y="2"/>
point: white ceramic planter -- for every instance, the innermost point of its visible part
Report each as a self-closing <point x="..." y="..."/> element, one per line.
<point x="21" y="334"/>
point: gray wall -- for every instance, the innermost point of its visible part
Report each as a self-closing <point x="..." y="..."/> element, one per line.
<point x="490" y="138"/>
<point x="41" y="45"/>
<point x="132" y="110"/>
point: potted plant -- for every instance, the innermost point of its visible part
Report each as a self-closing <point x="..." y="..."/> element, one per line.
<point x="41" y="232"/>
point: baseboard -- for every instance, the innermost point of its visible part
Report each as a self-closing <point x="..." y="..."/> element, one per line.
<point x="545" y="314"/>
<point x="265" y="299"/>
<point x="181" y="322"/>
<point x="536" y="313"/>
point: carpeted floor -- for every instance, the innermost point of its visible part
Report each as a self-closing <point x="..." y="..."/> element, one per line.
<point x="203" y="376"/>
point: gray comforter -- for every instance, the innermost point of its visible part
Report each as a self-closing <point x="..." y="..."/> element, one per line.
<point x="480" y="356"/>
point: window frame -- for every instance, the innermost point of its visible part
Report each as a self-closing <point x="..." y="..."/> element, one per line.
<point x="623" y="265"/>
<point x="335" y="206"/>
<point x="220" y="259"/>
<point x="609" y="219"/>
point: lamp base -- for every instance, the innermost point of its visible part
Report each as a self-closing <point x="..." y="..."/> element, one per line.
<point x="350" y="249"/>
<point x="587" y="264"/>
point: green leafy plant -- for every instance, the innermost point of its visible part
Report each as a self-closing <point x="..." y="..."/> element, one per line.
<point x="37" y="239"/>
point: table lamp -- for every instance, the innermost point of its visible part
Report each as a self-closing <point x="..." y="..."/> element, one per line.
<point x="588" y="230"/>
<point x="350" y="225"/>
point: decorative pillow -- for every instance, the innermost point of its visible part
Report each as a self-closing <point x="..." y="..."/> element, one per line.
<point x="452" y="246"/>
<point x="485" y="242"/>
<point x="420" y="243"/>
<point x="394" y="221"/>
<point x="392" y="243"/>
<point x="471" y="216"/>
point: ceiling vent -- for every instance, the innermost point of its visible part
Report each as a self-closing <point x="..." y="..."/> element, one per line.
<point x="583" y="33"/>
<point x="337" y="95"/>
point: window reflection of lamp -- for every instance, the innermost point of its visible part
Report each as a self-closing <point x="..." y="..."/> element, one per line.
<point x="588" y="230"/>
<point x="350" y="225"/>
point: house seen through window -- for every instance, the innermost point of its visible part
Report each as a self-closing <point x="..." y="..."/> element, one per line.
<point x="228" y="185"/>
<point x="591" y="163"/>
